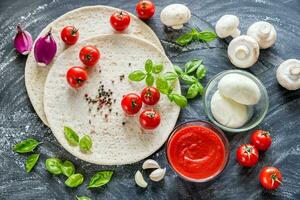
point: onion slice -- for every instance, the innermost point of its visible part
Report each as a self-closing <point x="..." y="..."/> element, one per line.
<point x="45" y="49"/>
<point x="23" y="41"/>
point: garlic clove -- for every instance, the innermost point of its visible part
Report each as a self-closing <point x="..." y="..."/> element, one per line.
<point x="158" y="174"/>
<point x="139" y="179"/>
<point x="150" y="164"/>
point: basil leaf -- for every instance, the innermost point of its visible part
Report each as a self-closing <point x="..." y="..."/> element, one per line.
<point x="180" y="100"/>
<point x="149" y="79"/>
<point x="200" y="88"/>
<point x="85" y="143"/>
<point x="71" y="136"/>
<point x="26" y="146"/>
<point x="201" y="72"/>
<point x="162" y="85"/>
<point x="83" y="198"/>
<point x="170" y="76"/>
<point x="157" y="68"/>
<point x="148" y="65"/>
<point x="192" y="91"/>
<point x="67" y="168"/>
<point x="74" y="180"/>
<point x="31" y="162"/>
<point x="53" y="165"/>
<point x="188" y="79"/>
<point x="178" y="70"/>
<point x="100" y="178"/>
<point x="185" y="39"/>
<point x="206" y="36"/>
<point x="192" y="65"/>
<point x="137" y="75"/>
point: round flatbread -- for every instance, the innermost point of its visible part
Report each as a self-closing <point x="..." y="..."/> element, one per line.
<point x="117" y="138"/>
<point x="91" y="21"/>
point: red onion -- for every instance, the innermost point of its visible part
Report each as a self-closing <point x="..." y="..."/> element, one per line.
<point x="23" y="41"/>
<point x="45" y="49"/>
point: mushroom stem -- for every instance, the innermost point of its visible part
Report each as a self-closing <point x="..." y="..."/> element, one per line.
<point x="241" y="52"/>
<point x="264" y="31"/>
<point x="236" y="33"/>
<point x="294" y="70"/>
<point x="177" y="26"/>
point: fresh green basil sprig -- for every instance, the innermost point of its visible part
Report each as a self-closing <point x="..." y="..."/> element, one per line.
<point x="148" y="74"/>
<point x="74" y="180"/>
<point x="31" y="162"/>
<point x="26" y="146"/>
<point x="195" y="35"/>
<point x="100" y="178"/>
<point x="67" y="168"/>
<point x="53" y="165"/>
<point x="85" y="143"/>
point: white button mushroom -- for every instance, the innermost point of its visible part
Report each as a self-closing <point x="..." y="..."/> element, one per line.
<point x="227" y="25"/>
<point x="288" y="74"/>
<point x="175" y="15"/>
<point x="228" y="112"/>
<point x="239" y="88"/>
<point x="264" y="33"/>
<point x="243" y="51"/>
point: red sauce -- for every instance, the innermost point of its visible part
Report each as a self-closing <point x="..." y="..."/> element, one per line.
<point x="196" y="152"/>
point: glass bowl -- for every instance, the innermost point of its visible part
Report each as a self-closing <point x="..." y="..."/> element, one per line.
<point x="256" y="113"/>
<point x="217" y="131"/>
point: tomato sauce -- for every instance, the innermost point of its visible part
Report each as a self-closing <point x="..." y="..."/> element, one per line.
<point x="196" y="152"/>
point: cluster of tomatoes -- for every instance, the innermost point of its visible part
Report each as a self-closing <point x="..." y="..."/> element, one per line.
<point x="89" y="56"/>
<point x="132" y="104"/>
<point x="247" y="155"/>
<point x="120" y="20"/>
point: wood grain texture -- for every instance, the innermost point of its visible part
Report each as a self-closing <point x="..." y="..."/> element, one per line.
<point x="18" y="120"/>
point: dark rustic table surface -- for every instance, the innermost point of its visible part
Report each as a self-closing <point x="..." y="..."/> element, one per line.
<point x="19" y="121"/>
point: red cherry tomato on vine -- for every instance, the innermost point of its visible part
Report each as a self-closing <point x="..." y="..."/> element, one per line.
<point x="120" y="20"/>
<point x="150" y="95"/>
<point x="261" y="139"/>
<point x="76" y="76"/>
<point x="247" y="155"/>
<point x="145" y="9"/>
<point x="89" y="55"/>
<point x="270" y="178"/>
<point x="149" y="119"/>
<point x="131" y="103"/>
<point x="69" y="35"/>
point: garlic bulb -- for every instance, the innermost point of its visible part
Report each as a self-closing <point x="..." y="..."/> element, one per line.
<point x="139" y="179"/>
<point x="175" y="15"/>
<point x="150" y="164"/>
<point x="158" y="174"/>
<point x="264" y="33"/>
<point x="243" y="51"/>
<point x="288" y="74"/>
<point x="227" y="25"/>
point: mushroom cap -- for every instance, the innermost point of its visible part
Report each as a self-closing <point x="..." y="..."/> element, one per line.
<point x="175" y="15"/>
<point x="227" y="25"/>
<point x="288" y="74"/>
<point x="243" y="51"/>
<point x="264" y="33"/>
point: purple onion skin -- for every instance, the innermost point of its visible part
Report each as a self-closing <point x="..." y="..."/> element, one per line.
<point x="45" y="49"/>
<point x="23" y="41"/>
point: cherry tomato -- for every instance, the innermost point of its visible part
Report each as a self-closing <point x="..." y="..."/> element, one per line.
<point x="131" y="103"/>
<point x="247" y="155"/>
<point x="76" y="76"/>
<point x="149" y="119"/>
<point x="69" y="35"/>
<point x="261" y="139"/>
<point x="145" y="9"/>
<point x="270" y="178"/>
<point x="150" y="95"/>
<point x="89" y="55"/>
<point x="120" y="20"/>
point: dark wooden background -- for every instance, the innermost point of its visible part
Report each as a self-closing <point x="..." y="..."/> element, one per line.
<point x="19" y="121"/>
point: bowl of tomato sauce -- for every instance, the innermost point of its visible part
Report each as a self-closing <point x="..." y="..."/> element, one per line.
<point x="197" y="151"/>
